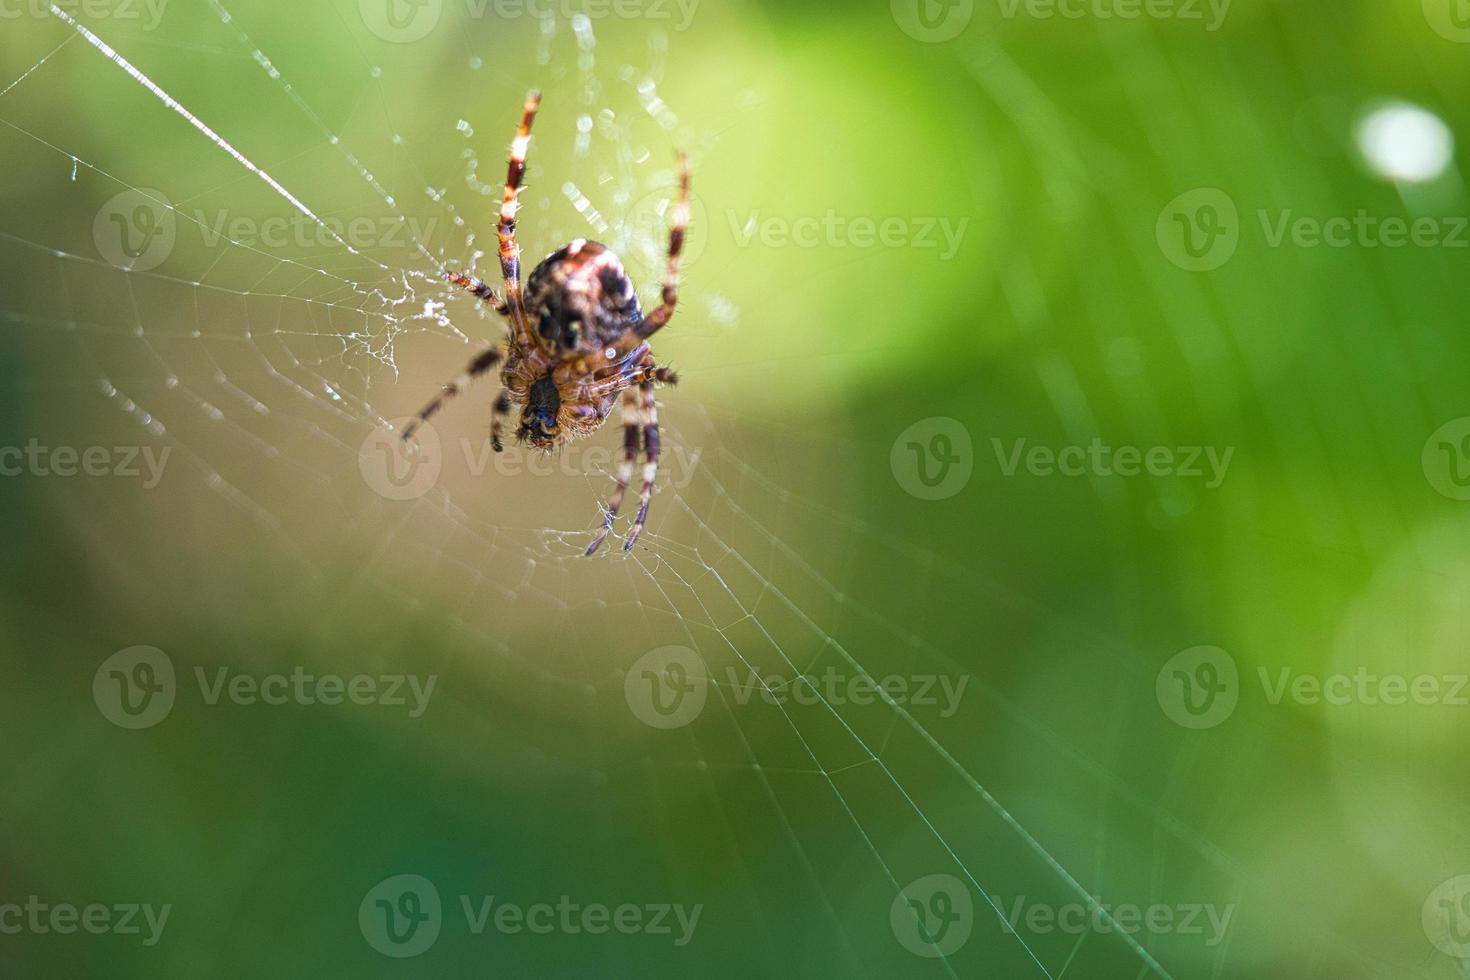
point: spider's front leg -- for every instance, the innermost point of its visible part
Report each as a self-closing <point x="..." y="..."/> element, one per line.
<point x="482" y="363"/>
<point x="678" y="229"/>
<point x="510" y="252"/>
<point x="650" y="465"/>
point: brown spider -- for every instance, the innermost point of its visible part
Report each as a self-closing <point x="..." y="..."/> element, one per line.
<point x="578" y="341"/>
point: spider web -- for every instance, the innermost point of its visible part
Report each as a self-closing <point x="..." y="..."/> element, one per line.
<point x="268" y="369"/>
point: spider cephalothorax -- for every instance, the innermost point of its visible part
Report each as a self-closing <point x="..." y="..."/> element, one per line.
<point x="578" y="342"/>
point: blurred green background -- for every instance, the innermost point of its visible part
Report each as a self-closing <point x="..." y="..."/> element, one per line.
<point x="927" y="237"/>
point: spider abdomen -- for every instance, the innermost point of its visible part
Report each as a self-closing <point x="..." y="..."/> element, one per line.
<point x="580" y="298"/>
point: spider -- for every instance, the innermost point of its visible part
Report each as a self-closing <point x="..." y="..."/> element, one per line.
<point x="578" y="342"/>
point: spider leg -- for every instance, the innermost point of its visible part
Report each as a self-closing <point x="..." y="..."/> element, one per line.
<point x="625" y="467"/>
<point x="661" y="315"/>
<point x="483" y="362"/>
<point x="650" y="465"/>
<point x="510" y="252"/>
<point x="498" y="413"/>
<point x="480" y="289"/>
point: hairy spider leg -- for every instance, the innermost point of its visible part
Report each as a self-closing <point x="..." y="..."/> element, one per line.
<point x="510" y="252"/>
<point x="664" y="312"/>
<point x="483" y="362"/>
<point x="650" y="465"/>
<point x="631" y="445"/>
